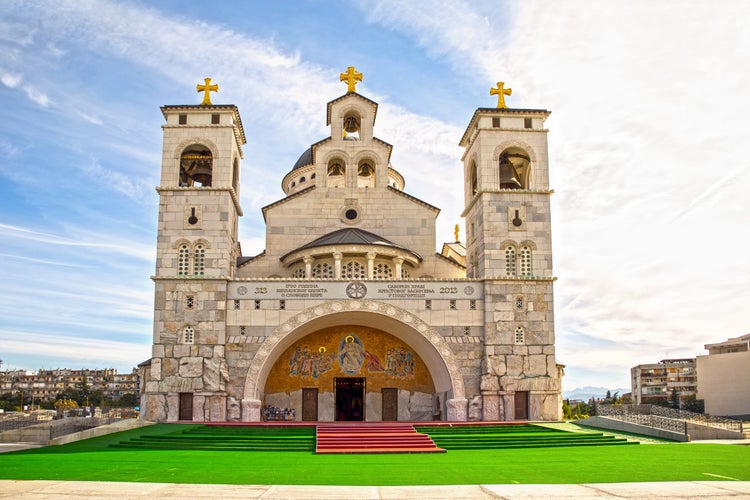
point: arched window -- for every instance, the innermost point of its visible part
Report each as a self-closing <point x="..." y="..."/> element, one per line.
<point x="236" y="176"/>
<point x="299" y="272"/>
<point x="188" y="335"/>
<point x="322" y="270"/>
<point x="383" y="272"/>
<point x="404" y="273"/>
<point x="354" y="270"/>
<point x="196" y="166"/>
<point x="510" y="260"/>
<point x="365" y="175"/>
<point x="199" y="262"/>
<point x="473" y="178"/>
<point x="525" y="261"/>
<point x="183" y="260"/>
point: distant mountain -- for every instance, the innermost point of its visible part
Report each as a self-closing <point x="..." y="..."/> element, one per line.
<point x="588" y="392"/>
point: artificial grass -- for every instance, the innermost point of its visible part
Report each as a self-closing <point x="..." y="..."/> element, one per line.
<point x="95" y="460"/>
<point x="514" y="436"/>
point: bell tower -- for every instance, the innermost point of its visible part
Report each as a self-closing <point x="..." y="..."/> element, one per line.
<point x="507" y="212"/>
<point x="197" y="251"/>
<point x="506" y="193"/>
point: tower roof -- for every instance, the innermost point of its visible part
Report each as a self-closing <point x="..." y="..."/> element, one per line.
<point x="498" y="112"/>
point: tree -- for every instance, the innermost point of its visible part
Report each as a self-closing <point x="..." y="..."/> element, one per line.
<point x="592" y="407"/>
<point x="65" y="404"/>
<point x="692" y="403"/>
<point x="608" y="396"/>
<point x="130" y="400"/>
<point x="674" y="399"/>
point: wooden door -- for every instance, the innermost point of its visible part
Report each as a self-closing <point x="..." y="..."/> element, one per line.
<point x="522" y="405"/>
<point x="390" y="405"/>
<point x="310" y="405"/>
<point x="186" y="406"/>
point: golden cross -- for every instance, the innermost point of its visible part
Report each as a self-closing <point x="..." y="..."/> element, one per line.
<point x="501" y="93"/>
<point x="350" y="77"/>
<point x="207" y="89"/>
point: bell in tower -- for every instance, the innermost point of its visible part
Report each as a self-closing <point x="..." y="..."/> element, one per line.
<point x="196" y="167"/>
<point x="508" y="175"/>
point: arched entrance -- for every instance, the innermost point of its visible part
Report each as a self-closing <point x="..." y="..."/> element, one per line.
<point x="426" y="344"/>
<point x="357" y="373"/>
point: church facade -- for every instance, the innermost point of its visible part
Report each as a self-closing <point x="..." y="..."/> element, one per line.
<point x="350" y="314"/>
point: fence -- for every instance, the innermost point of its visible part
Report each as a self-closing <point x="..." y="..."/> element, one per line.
<point x="17" y="420"/>
<point x="66" y="423"/>
<point x="670" y="419"/>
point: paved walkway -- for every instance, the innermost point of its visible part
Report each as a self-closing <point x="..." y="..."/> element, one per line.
<point x="121" y="491"/>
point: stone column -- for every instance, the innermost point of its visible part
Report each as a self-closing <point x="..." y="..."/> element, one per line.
<point x="371" y="264"/>
<point x="337" y="264"/>
<point x="308" y="266"/>
<point x="251" y="410"/>
<point x="397" y="262"/>
<point x="457" y="409"/>
<point x="199" y="401"/>
<point x="490" y="406"/>
<point x="509" y="401"/>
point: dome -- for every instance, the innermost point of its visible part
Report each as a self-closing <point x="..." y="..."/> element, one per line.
<point x="304" y="160"/>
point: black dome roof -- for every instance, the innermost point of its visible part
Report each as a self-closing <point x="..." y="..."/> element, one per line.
<point x="304" y="160"/>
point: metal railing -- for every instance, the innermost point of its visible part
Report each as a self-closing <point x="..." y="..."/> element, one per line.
<point x="17" y="420"/>
<point x="661" y="417"/>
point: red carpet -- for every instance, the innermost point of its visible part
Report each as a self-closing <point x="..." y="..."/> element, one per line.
<point x="372" y="438"/>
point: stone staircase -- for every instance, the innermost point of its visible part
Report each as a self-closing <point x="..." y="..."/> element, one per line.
<point x="372" y="438"/>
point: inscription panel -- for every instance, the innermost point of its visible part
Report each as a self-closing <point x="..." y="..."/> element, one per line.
<point x="375" y="290"/>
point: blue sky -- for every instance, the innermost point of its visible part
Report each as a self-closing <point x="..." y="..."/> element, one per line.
<point x="647" y="143"/>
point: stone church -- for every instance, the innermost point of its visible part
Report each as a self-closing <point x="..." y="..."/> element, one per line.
<point x="350" y="314"/>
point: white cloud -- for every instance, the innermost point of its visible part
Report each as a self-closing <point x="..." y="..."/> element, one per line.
<point x="648" y="111"/>
<point x="10" y="80"/>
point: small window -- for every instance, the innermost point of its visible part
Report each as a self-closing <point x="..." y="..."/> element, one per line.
<point x="182" y="119"/>
<point x="189" y="301"/>
<point x="472" y="305"/>
<point x="452" y="305"/>
<point x="215" y="119"/>
<point x="467" y="330"/>
<point x="302" y="179"/>
<point x="519" y="303"/>
<point x="282" y="304"/>
<point x="520" y="336"/>
<point x="243" y="330"/>
<point x="527" y="123"/>
<point x="496" y="122"/>
<point x="428" y="305"/>
<point x="236" y="305"/>
<point x="257" y="304"/>
<point x="188" y="335"/>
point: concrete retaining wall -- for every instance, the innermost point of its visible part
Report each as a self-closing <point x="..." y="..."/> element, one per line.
<point x="122" y="425"/>
<point x="618" y="425"/>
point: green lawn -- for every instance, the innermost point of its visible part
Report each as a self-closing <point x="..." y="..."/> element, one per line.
<point x="94" y="460"/>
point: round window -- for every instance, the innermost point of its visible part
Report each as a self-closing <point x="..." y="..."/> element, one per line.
<point x="351" y="214"/>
